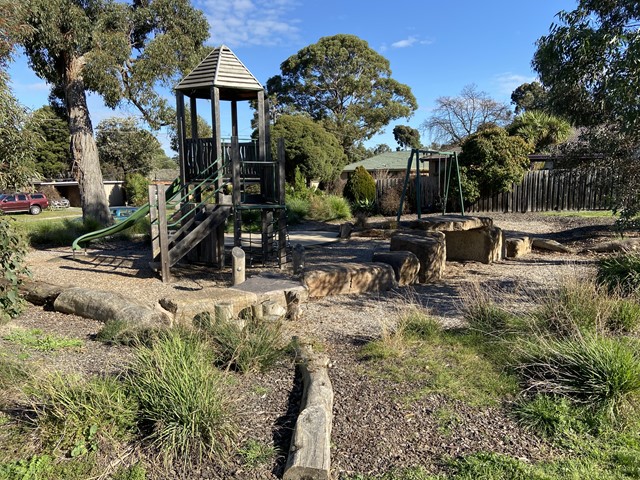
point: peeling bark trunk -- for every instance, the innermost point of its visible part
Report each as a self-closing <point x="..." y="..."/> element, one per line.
<point x="83" y="146"/>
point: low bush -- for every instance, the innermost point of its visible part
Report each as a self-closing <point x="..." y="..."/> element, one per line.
<point x="12" y="267"/>
<point x="297" y="209"/>
<point x="360" y="187"/>
<point x="390" y="202"/>
<point x="254" y="347"/>
<point x="78" y="416"/>
<point x="599" y="372"/>
<point x="136" y="187"/>
<point x="329" y="207"/>
<point x="620" y="273"/>
<point x="185" y="408"/>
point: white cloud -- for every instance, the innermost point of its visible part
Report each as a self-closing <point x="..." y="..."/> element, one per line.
<point x="410" y="42"/>
<point x="507" y="82"/>
<point x="250" y="22"/>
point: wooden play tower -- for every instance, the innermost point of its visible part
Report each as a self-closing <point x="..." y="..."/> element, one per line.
<point x="220" y="180"/>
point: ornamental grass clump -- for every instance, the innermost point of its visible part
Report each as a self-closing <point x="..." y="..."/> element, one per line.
<point x="596" y="371"/>
<point x="620" y="273"/>
<point x="185" y="408"/>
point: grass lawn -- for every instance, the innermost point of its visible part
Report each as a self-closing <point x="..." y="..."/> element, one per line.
<point x="581" y="214"/>
<point x="70" y="212"/>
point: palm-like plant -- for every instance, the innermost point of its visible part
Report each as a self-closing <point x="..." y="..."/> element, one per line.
<point x="541" y="129"/>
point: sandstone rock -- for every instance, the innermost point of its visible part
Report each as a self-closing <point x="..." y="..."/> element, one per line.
<point x="477" y="245"/>
<point x="451" y="223"/>
<point x="269" y="286"/>
<point x="626" y="245"/>
<point x="430" y="250"/>
<point x="347" y="278"/>
<point x="40" y="293"/>
<point x="186" y="305"/>
<point x="405" y="265"/>
<point x="345" y="230"/>
<point x="551" y="245"/>
<point x="517" y="247"/>
<point x="105" y="306"/>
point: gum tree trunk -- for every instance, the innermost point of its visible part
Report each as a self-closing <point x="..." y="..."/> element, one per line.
<point x="83" y="146"/>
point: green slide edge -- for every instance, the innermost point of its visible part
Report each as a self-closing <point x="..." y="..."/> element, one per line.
<point x="142" y="212"/>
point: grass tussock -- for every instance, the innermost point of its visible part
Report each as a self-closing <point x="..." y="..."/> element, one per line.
<point x="76" y="416"/>
<point x="254" y="346"/>
<point x="185" y="407"/>
<point x="119" y="332"/>
<point x="620" y="273"/>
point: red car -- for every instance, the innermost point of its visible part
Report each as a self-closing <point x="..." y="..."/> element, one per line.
<point x="33" y="203"/>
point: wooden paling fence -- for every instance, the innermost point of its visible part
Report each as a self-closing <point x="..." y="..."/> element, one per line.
<point x="540" y="191"/>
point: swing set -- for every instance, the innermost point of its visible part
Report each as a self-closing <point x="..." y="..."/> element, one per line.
<point x="421" y="156"/>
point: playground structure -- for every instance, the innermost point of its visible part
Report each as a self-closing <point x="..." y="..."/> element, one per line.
<point x="218" y="180"/>
<point x="444" y="170"/>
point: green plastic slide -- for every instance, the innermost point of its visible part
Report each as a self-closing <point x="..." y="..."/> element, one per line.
<point x="142" y="212"/>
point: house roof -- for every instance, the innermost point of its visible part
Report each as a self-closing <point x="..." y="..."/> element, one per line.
<point x="222" y="69"/>
<point x="392" y="161"/>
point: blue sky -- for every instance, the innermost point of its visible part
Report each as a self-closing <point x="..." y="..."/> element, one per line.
<point x="435" y="47"/>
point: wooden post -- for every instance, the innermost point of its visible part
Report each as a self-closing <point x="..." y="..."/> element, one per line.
<point x="236" y="171"/>
<point x="267" y="234"/>
<point x="238" y="256"/>
<point x="153" y="219"/>
<point x="163" y="235"/>
<point x="181" y="138"/>
<point x="282" y="214"/>
<point x="223" y="311"/>
<point x="298" y="258"/>
<point x="217" y="140"/>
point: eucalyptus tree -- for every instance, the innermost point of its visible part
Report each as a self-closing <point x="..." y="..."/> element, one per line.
<point x="120" y="50"/>
<point x="345" y="84"/>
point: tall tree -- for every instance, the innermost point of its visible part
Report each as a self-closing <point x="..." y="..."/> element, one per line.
<point x="121" y="51"/>
<point x="406" y="136"/>
<point x="125" y="147"/>
<point x="52" y="155"/>
<point x="381" y="148"/>
<point x="17" y="142"/>
<point x="529" y="96"/>
<point x="540" y="129"/>
<point x="455" y="118"/>
<point x="346" y="85"/>
<point x="309" y="147"/>
<point x="589" y="64"/>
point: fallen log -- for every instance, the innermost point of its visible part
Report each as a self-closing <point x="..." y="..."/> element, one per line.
<point x="309" y="455"/>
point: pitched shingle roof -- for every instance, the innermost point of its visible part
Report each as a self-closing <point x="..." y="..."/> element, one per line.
<point x="222" y="69"/>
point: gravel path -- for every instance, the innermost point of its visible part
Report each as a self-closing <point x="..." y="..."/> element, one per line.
<point x="372" y="432"/>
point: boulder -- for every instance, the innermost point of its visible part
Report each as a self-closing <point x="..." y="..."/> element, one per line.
<point x="430" y="250"/>
<point x="186" y="305"/>
<point x="405" y="265"/>
<point x="40" y="293"/>
<point x="104" y="306"/>
<point x="625" y="245"/>
<point x="476" y="245"/>
<point x="451" y="223"/>
<point x="517" y="247"/>
<point x="347" y="278"/>
<point x="551" y="245"/>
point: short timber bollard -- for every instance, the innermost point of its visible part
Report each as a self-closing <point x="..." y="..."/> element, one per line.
<point x="238" y="265"/>
<point x="223" y="312"/>
<point x="298" y="258"/>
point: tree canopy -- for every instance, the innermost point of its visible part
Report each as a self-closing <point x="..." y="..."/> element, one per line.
<point x="125" y="147"/>
<point x="121" y="51"/>
<point x="529" y="96"/>
<point x="17" y="142"/>
<point x="540" y="129"/>
<point x="406" y="136"/>
<point x="589" y="65"/>
<point x="343" y="83"/>
<point x="455" y="118"/>
<point x="51" y="155"/>
<point x="309" y="147"/>
<point x="492" y="161"/>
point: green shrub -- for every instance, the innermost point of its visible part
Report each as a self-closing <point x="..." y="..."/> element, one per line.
<point x="185" y="408"/>
<point x="297" y="209"/>
<point x="77" y="415"/>
<point x="136" y="186"/>
<point x="12" y="266"/>
<point x="329" y="207"/>
<point x="620" y="273"/>
<point x="599" y="372"/>
<point x="257" y="346"/>
<point x="360" y="187"/>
